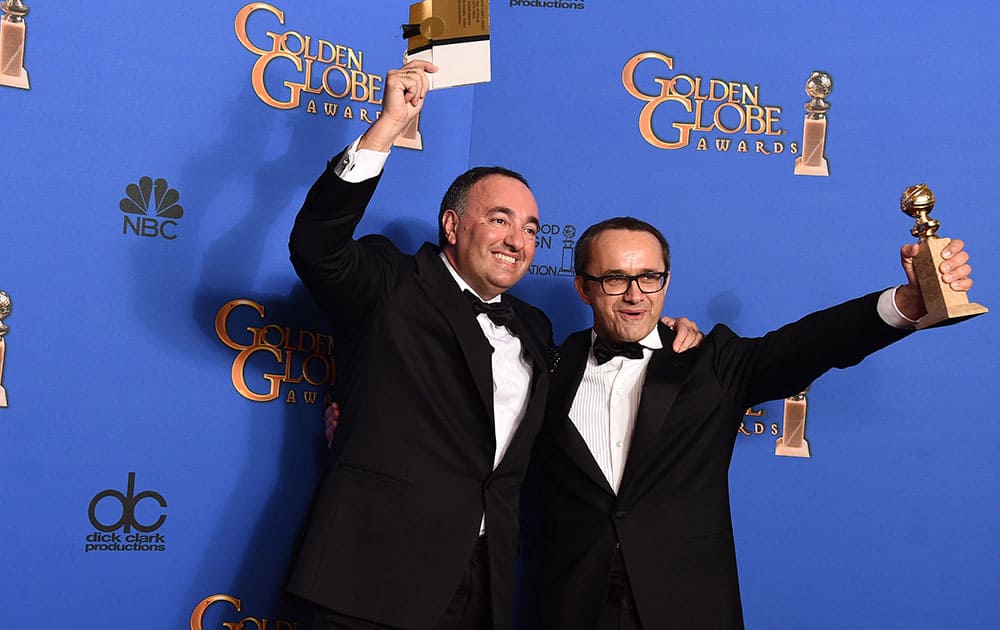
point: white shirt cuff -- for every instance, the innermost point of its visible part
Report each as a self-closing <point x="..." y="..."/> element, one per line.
<point x="357" y="165"/>
<point x="889" y="313"/>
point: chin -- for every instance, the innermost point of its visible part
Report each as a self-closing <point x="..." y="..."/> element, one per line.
<point x="635" y="333"/>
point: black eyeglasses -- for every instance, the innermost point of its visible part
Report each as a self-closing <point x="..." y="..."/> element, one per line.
<point x="618" y="284"/>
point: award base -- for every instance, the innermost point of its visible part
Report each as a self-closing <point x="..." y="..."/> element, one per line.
<point x="12" y="72"/>
<point x="812" y="162"/>
<point x="789" y="450"/>
<point x="19" y="80"/>
<point x="410" y="138"/>
<point x="802" y="168"/>
<point x="943" y="303"/>
<point x="792" y="442"/>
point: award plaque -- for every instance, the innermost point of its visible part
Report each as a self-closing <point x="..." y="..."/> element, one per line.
<point x="454" y="35"/>
<point x="12" y="33"/>
<point x="943" y="303"/>
<point x="812" y="161"/>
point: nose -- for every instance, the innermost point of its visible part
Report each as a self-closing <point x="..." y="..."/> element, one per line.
<point x="633" y="294"/>
<point x="514" y="238"/>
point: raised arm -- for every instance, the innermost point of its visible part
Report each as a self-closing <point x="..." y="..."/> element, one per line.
<point x="348" y="277"/>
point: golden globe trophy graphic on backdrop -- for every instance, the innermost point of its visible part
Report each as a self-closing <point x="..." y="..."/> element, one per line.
<point x="792" y="442"/>
<point x="12" y="32"/>
<point x="943" y="303"/>
<point x="5" y="308"/>
<point x="812" y="161"/>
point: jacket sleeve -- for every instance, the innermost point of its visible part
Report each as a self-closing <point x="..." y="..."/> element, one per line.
<point x="348" y="278"/>
<point x="785" y="361"/>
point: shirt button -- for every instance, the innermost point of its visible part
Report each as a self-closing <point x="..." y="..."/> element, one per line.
<point x="618" y="444"/>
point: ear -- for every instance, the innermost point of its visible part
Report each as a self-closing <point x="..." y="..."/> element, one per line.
<point x="580" y="285"/>
<point x="449" y="221"/>
<point x="666" y="283"/>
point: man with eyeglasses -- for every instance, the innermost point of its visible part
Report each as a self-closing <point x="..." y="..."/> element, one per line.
<point x="630" y="469"/>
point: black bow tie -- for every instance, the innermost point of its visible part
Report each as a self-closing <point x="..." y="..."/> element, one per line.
<point x="604" y="351"/>
<point x="500" y="313"/>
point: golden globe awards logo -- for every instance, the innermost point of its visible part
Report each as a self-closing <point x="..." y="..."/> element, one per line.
<point x="227" y="603"/>
<point x="753" y="424"/>
<point x="273" y="355"/>
<point x="791" y="434"/>
<point x="714" y="114"/>
<point x="292" y="69"/>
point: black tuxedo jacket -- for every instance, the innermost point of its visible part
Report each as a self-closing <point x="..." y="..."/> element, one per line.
<point x="396" y="516"/>
<point x="671" y="515"/>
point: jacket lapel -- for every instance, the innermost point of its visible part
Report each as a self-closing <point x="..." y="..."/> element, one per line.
<point x="573" y="360"/>
<point x="432" y="273"/>
<point x="530" y="341"/>
<point x="665" y="373"/>
<point x="534" y="347"/>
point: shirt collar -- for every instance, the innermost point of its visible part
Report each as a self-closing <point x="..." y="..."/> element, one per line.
<point x="462" y="284"/>
<point x="651" y="341"/>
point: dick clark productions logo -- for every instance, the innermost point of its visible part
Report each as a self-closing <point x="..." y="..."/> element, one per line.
<point x="115" y="514"/>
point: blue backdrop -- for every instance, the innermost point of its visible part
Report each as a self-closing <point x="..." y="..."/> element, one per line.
<point x="165" y="372"/>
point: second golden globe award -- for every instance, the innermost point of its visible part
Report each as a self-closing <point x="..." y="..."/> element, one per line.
<point x="943" y="303"/>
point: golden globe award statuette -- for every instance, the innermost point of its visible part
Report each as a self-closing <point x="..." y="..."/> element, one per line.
<point x="12" y="31"/>
<point x="792" y="442"/>
<point x="812" y="162"/>
<point x="5" y="308"/>
<point x="942" y="302"/>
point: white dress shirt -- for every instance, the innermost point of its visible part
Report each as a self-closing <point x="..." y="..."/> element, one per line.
<point x="606" y="403"/>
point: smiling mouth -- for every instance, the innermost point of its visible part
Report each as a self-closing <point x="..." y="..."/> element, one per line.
<point x="510" y="260"/>
<point x="632" y="314"/>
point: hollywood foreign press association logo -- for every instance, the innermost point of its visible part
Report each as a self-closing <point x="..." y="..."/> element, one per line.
<point x="554" y="249"/>
<point x="126" y="521"/>
<point x="151" y="209"/>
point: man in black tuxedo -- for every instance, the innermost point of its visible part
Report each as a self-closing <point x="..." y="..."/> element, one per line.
<point x="631" y="465"/>
<point x="442" y="384"/>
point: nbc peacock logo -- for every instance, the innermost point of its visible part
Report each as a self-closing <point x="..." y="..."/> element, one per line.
<point x="151" y="209"/>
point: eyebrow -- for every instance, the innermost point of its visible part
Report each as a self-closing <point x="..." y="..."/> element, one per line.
<point x="504" y="210"/>
<point x="622" y="272"/>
